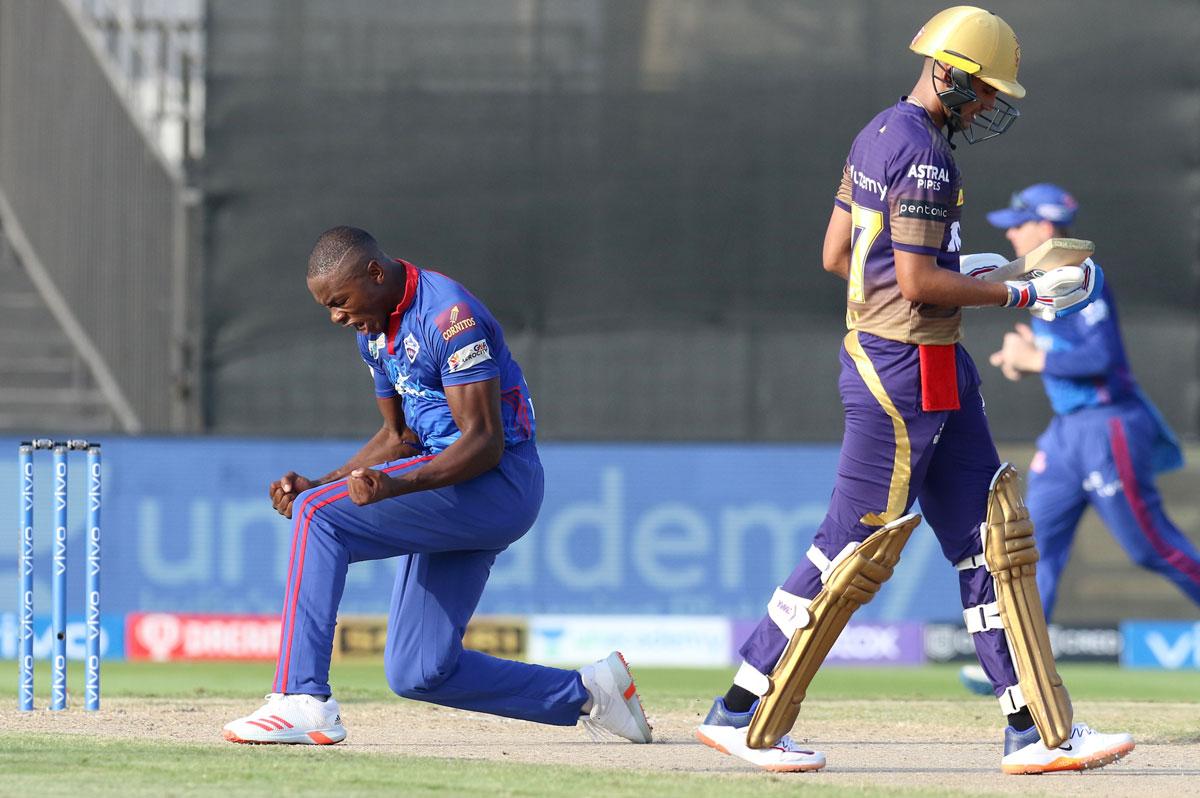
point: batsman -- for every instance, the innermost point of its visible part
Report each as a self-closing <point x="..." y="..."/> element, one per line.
<point x="915" y="428"/>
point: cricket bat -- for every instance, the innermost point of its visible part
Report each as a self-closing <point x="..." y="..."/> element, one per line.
<point x="1052" y="254"/>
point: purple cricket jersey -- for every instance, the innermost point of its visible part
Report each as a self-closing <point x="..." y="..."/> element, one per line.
<point x="904" y="192"/>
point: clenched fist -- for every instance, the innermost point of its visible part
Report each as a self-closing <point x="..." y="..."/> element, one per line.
<point x="285" y="490"/>
<point x="368" y="485"/>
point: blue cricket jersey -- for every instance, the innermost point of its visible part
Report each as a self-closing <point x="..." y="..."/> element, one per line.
<point x="1086" y="367"/>
<point x="440" y="335"/>
<point x="1085" y="357"/>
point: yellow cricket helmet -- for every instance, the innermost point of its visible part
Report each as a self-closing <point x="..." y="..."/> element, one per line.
<point x="976" y="41"/>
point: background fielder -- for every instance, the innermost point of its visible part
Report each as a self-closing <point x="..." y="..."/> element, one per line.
<point x="1106" y="441"/>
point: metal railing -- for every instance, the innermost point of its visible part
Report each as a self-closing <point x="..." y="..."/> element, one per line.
<point x="97" y="214"/>
<point x="155" y="52"/>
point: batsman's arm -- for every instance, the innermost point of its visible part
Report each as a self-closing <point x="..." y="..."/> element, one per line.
<point x="921" y="280"/>
<point x="835" y="252"/>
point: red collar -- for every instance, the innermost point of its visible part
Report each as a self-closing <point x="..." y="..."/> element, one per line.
<point x="411" y="274"/>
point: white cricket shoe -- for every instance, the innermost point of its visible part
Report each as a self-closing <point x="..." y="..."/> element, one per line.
<point x="295" y="719"/>
<point x="1024" y="752"/>
<point x="616" y="706"/>
<point x="726" y="732"/>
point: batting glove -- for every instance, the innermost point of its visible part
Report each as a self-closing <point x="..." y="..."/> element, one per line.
<point x="1059" y="292"/>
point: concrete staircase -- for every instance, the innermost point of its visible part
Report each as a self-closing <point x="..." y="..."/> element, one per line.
<point x="44" y="385"/>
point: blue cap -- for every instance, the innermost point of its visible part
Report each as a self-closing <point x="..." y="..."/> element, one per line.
<point x="1042" y="202"/>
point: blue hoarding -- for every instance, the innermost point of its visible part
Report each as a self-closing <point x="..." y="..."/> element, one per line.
<point x="112" y="636"/>
<point x="1169" y="645"/>
<point x="696" y="529"/>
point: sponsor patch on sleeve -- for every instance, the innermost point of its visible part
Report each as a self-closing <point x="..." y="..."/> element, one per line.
<point x="455" y="319"/>
<point x="922" y="209"/>
<point x="470" y="355"/>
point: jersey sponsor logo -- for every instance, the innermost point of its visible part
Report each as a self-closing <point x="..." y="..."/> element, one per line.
<point x="922" y="209"/>
<point x="450" y="324"/>
<point x="411" y="348"/>
<point x="469" y="355"/>
<point x="377" y="344"/>
<point x="868" y="183"/>
<point x="929" y="171"/>
<point x="929" y="175"/>
<point x="955" y="242"/>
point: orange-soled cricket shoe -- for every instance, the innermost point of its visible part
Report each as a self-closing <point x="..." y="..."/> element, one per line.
<point x="290" y="720"/>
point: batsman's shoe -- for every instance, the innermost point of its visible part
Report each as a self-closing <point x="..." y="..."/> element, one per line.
<point x="974" y="679"/>
<point x="1086" y="748"/>
<point x="294" y="719"/>
<point x="726" y="732"/>
<point x="616" y="707"/>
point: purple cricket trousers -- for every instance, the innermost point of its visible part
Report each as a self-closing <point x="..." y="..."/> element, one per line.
<point x="893" y="454"/>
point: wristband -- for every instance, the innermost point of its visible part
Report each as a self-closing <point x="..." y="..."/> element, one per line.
<point x="1020" y="294"/>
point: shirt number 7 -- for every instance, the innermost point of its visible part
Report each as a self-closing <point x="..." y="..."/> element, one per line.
<point x="866" y="227"/>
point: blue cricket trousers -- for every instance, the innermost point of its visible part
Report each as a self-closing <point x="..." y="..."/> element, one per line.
<point x="1102" y="456"/>
<point x="447" y="540"/>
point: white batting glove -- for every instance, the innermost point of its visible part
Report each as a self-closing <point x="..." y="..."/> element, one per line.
<point x="1059" y="292"/>
<point x="980" y="263"/>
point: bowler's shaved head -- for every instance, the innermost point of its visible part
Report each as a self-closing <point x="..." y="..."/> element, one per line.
<point x="339" y="248"/>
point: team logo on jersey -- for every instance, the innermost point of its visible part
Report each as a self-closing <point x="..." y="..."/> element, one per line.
<point x="469" y="355"/>
<point x="450" y="323"/>
<point x="376" y="345"/>
<point x="411" y="348"/>
<point x="955" y="242"/>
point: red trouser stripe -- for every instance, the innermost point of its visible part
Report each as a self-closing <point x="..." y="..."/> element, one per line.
<point x="287" y="630"/>
<point x="284" y="636"/>
<point x="1120" y="449"/>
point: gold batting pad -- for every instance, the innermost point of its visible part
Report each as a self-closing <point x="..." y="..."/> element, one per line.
<point x="852" y="583"/>
<point x="1011" y="556"/>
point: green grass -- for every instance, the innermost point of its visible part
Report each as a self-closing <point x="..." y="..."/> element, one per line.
<point x="665" y="688"/>
<point x="70" y="764"/>
<point x="46" y="765"/>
